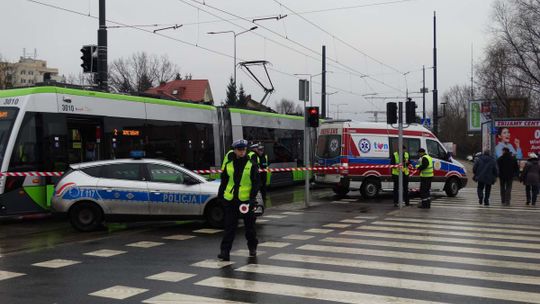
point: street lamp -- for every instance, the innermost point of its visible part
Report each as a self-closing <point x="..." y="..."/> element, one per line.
<point x="235" y="34"/>
<point x="310" y="84"/>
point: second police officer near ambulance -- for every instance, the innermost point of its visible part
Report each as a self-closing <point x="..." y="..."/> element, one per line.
<point x="239" y="186"/>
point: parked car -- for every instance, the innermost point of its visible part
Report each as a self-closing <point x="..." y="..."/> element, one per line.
<point x="136" y="189"/>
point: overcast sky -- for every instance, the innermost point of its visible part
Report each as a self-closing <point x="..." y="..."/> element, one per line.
<point x="383" y="39"/>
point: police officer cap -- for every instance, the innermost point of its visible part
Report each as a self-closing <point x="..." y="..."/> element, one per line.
<point x="254" y="146"/>
<point x="239" y="144"/>
<point x="421" y="150"/>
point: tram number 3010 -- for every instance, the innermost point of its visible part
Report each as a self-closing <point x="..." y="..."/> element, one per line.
<point x="11" y="101"/>
<point x="68" y="108"/>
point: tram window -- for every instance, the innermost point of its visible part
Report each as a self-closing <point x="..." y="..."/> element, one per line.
<point x="281" y="145"/>
<point x="26" y="155"/>
<point x="117" y="145"/>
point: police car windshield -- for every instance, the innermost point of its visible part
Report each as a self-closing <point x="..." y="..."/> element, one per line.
<point x="328" y="146"/>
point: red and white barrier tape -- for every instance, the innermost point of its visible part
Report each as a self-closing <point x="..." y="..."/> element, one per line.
<point x="210" y="171"/>
<point x="334" y="168"/>
<point x="31" y="173"/>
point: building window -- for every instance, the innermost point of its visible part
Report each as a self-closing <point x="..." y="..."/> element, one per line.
<point x="23" y="80"/>
<point x="23" y="72"/>
<point x="30" y="72"/>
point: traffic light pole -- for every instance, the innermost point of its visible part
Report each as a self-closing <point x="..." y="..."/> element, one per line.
<point x="306" y="156"/>
<point x="400" y="149"/>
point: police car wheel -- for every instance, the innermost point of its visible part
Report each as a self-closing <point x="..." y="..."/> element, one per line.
<point x="86" y="216"/>
<point x="452" y="187"/>
<point x="370" y="188"/>
<point x="215" y="214"/>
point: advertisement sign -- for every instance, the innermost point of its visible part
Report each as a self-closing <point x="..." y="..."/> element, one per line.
<point x="519" y="136"/>
<point x="478" y="112"/>
<point x="486" y="136"/>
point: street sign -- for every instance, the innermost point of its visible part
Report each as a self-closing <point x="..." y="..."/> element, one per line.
<point x="303" y="90"/>
<point x="426" y="122"/>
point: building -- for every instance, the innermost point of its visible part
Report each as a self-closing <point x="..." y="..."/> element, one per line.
<point x="195" y="90"/>
<point x="26" y="72"/>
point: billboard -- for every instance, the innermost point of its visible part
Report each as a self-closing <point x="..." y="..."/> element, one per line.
<point x="478" y="112"/>
<point x="519" y="136"/>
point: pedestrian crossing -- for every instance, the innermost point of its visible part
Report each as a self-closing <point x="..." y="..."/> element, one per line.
<point x="384" y="259"/>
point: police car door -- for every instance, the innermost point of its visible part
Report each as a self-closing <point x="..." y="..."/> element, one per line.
<point x="173" y="191"/>
<point x="122" y="188"/>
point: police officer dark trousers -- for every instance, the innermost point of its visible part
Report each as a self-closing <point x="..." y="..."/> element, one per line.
<point x="395" y="177"/>
<point x="425" y="167"/>
<point x="239" y="185"/>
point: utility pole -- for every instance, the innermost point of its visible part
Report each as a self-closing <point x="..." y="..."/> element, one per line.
<point x="102" y="76"/>
<point x="323" y="83"/>
<point x="400" y="152"/>
<point x="435" y="92"/>
<point x="424" y="92"/>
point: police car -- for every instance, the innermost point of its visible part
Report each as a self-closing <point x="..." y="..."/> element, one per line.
<point x="92" y="192"/>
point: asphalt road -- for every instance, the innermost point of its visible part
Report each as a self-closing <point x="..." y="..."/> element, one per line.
<point x="335" y="251"/>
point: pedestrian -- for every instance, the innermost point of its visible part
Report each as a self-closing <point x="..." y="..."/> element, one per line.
<point x="508" y="169"/>
<point x="425" y="166"/>
<point x="531" y="178"/>
<point x="395" y="176"/>
<point x="263" y="163"/>
<point x="238" y="188"/>
<point x="485" y="174"/>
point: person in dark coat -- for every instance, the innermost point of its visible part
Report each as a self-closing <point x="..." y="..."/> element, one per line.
<point x="485" y="174"/>
<point x="531" y="178"/>
<point x="508" y="169"/>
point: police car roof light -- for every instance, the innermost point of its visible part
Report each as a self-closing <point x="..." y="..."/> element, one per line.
<point x="137" y="154"/>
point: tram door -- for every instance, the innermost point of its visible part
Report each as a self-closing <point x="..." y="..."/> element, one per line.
<point x="84" y="139"/>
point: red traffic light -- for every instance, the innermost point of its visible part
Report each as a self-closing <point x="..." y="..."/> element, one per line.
<point x="313" y="111"/>
<point x="312" y="117"/>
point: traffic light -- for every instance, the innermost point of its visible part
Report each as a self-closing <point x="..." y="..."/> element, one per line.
<point x="391" y="113"/>
<point x="312" y="116"/>
<point x="89" y="58"/>
<point x="410" y="111"/>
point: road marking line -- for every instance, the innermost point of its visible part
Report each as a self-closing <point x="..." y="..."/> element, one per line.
<point x="335" y="225"/>
<point x="105" y="253"/>
<point x="179" y="298"/>
<point x="170" y="276"/>
<point x="4" y="275"/>
<point x="208" y="231"/>
<point x="446" y="288"/>
<point x="56" y="263"/>
<point x="214" y="264"/>
<point x="416" y="256"/>
<point x="317" y="230"/>
<point x="274" y="244"/>
<point x="292" y="213"/>
<point x="442" y="239"/>
<point x="299" y="237"/>
<point x="452" y="233"/>
<point x="144" y="244"/>
<point x="461" y="222"/>
<point x="490" y="208"/>
<point x="275" y="216"/>
<point x="351" y="221"/>
<point x="118" y="292"/>
<point x="245" y="253"/>
<point x="262" y="221"/>
<point x="340" y="202"/>
<point x="298" y="291"/>
<point x="508" y="231"/>
<point x="179" y="237"/>
<point x="365" y="217"/>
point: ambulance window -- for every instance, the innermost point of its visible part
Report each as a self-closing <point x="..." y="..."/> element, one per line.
<point x="435" y="150"/>
<point x="413" y="144"/>
<point x="329" y="146"/>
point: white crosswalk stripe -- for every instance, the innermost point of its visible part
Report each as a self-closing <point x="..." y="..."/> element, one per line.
<point x="305" y="292"/>
<point x="459" y="289"/>
<point x="450" y="233"/>
<point x="507" y="243"/>
<point x="453" y="227"/>
<point x="451" y="221"/>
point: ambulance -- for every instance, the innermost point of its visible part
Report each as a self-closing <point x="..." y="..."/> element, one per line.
<point x="363" y="151"/>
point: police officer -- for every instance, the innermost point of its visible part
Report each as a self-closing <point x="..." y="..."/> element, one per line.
<point x="425" y="166"/>
<point x="395" y="176"/>
<point x="263" y="163"/>
<point x="228" y="157"/>
<point x="239" y="185"/>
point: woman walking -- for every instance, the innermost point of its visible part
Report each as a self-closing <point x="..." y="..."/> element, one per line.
<point x="531" y="178"/>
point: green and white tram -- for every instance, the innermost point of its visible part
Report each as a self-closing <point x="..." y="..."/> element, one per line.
<point x="47" y="128"/>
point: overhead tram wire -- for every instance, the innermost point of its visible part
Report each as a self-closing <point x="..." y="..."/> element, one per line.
<point x="343" y="67"/>
<point x="339" y="39"/>
<point x="174" y="39"/>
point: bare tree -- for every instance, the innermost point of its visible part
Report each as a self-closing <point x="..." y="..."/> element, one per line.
<point x="6" y="74"/>
<point x="286" y="106"/>
<point x="140" y="72"/>
<point x="511" y="67"/>
<point x="80" y="79"/>
<point x="453" y="126"/>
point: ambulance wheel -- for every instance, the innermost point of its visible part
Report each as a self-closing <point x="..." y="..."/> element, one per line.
<point x="215" y="214"/>
<point x="452" y="187"/>
<point x="341" y="191"/>
<point x="86" y="216"/>
<point x="370" y="188"/>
